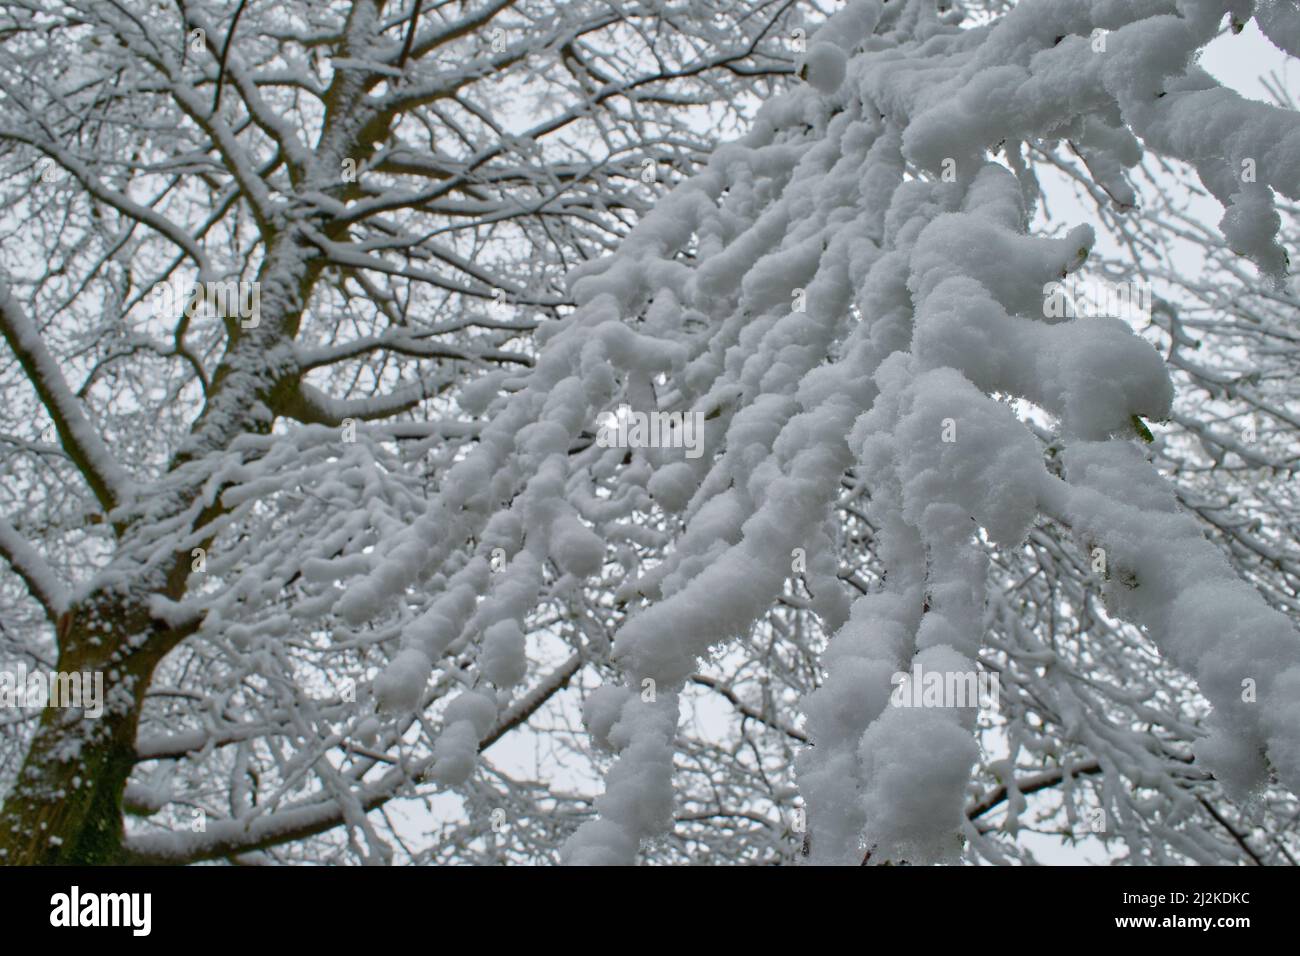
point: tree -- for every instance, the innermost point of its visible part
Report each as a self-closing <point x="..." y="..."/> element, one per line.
<point x="258" y="258"/>
<point x="813" y="429"/>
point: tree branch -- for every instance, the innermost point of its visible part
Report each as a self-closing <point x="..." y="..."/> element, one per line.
<point x="79" y="438"/>
<point x="311" y="406"/>
<point x="28" y="564"/>
<point x="227" y="837"/>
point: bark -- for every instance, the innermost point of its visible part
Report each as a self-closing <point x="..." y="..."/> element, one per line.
<point x="66" y="806"/>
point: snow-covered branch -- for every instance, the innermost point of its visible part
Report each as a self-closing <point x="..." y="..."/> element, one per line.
<point x="28" y="564"/>
<point x="80" y="438"/>
<point x="311" y="406"/>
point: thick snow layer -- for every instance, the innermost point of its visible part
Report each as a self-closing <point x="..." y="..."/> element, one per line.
<point x="503" y="661"/>
<point x="852" y="287"/>
<point x="824" y="67"/>
<point x="400" y="686"/>
<point x="1279" y="20"/>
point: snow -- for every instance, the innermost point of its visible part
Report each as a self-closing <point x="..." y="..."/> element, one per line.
<point x="915" y="764"/>
<point x="27" y="561"/>
<point x="638" y="798"/>
<point x="576" y="548"/>
<point x="502" y="659"/>
<point x="367" y="730"/>
<point x="952" y="291"/>
<point x="824" y="67"/>
<point x="79" y="436"/>
<point x="991" y="469"/>
<point x="673" y="485"/>
<point x="479" y="710"/>
<point x="848" y="294"/>
<point x="1178" y="585"/>
<point x="602" y="710"/>
<point x="1279" y="20"/>
<point x="400" y="687"/>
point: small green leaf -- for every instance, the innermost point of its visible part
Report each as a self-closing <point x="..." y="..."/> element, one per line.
<point x="1140" y="427"/>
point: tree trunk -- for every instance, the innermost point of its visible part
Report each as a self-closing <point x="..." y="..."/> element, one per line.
<point x="66" y="805"/>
